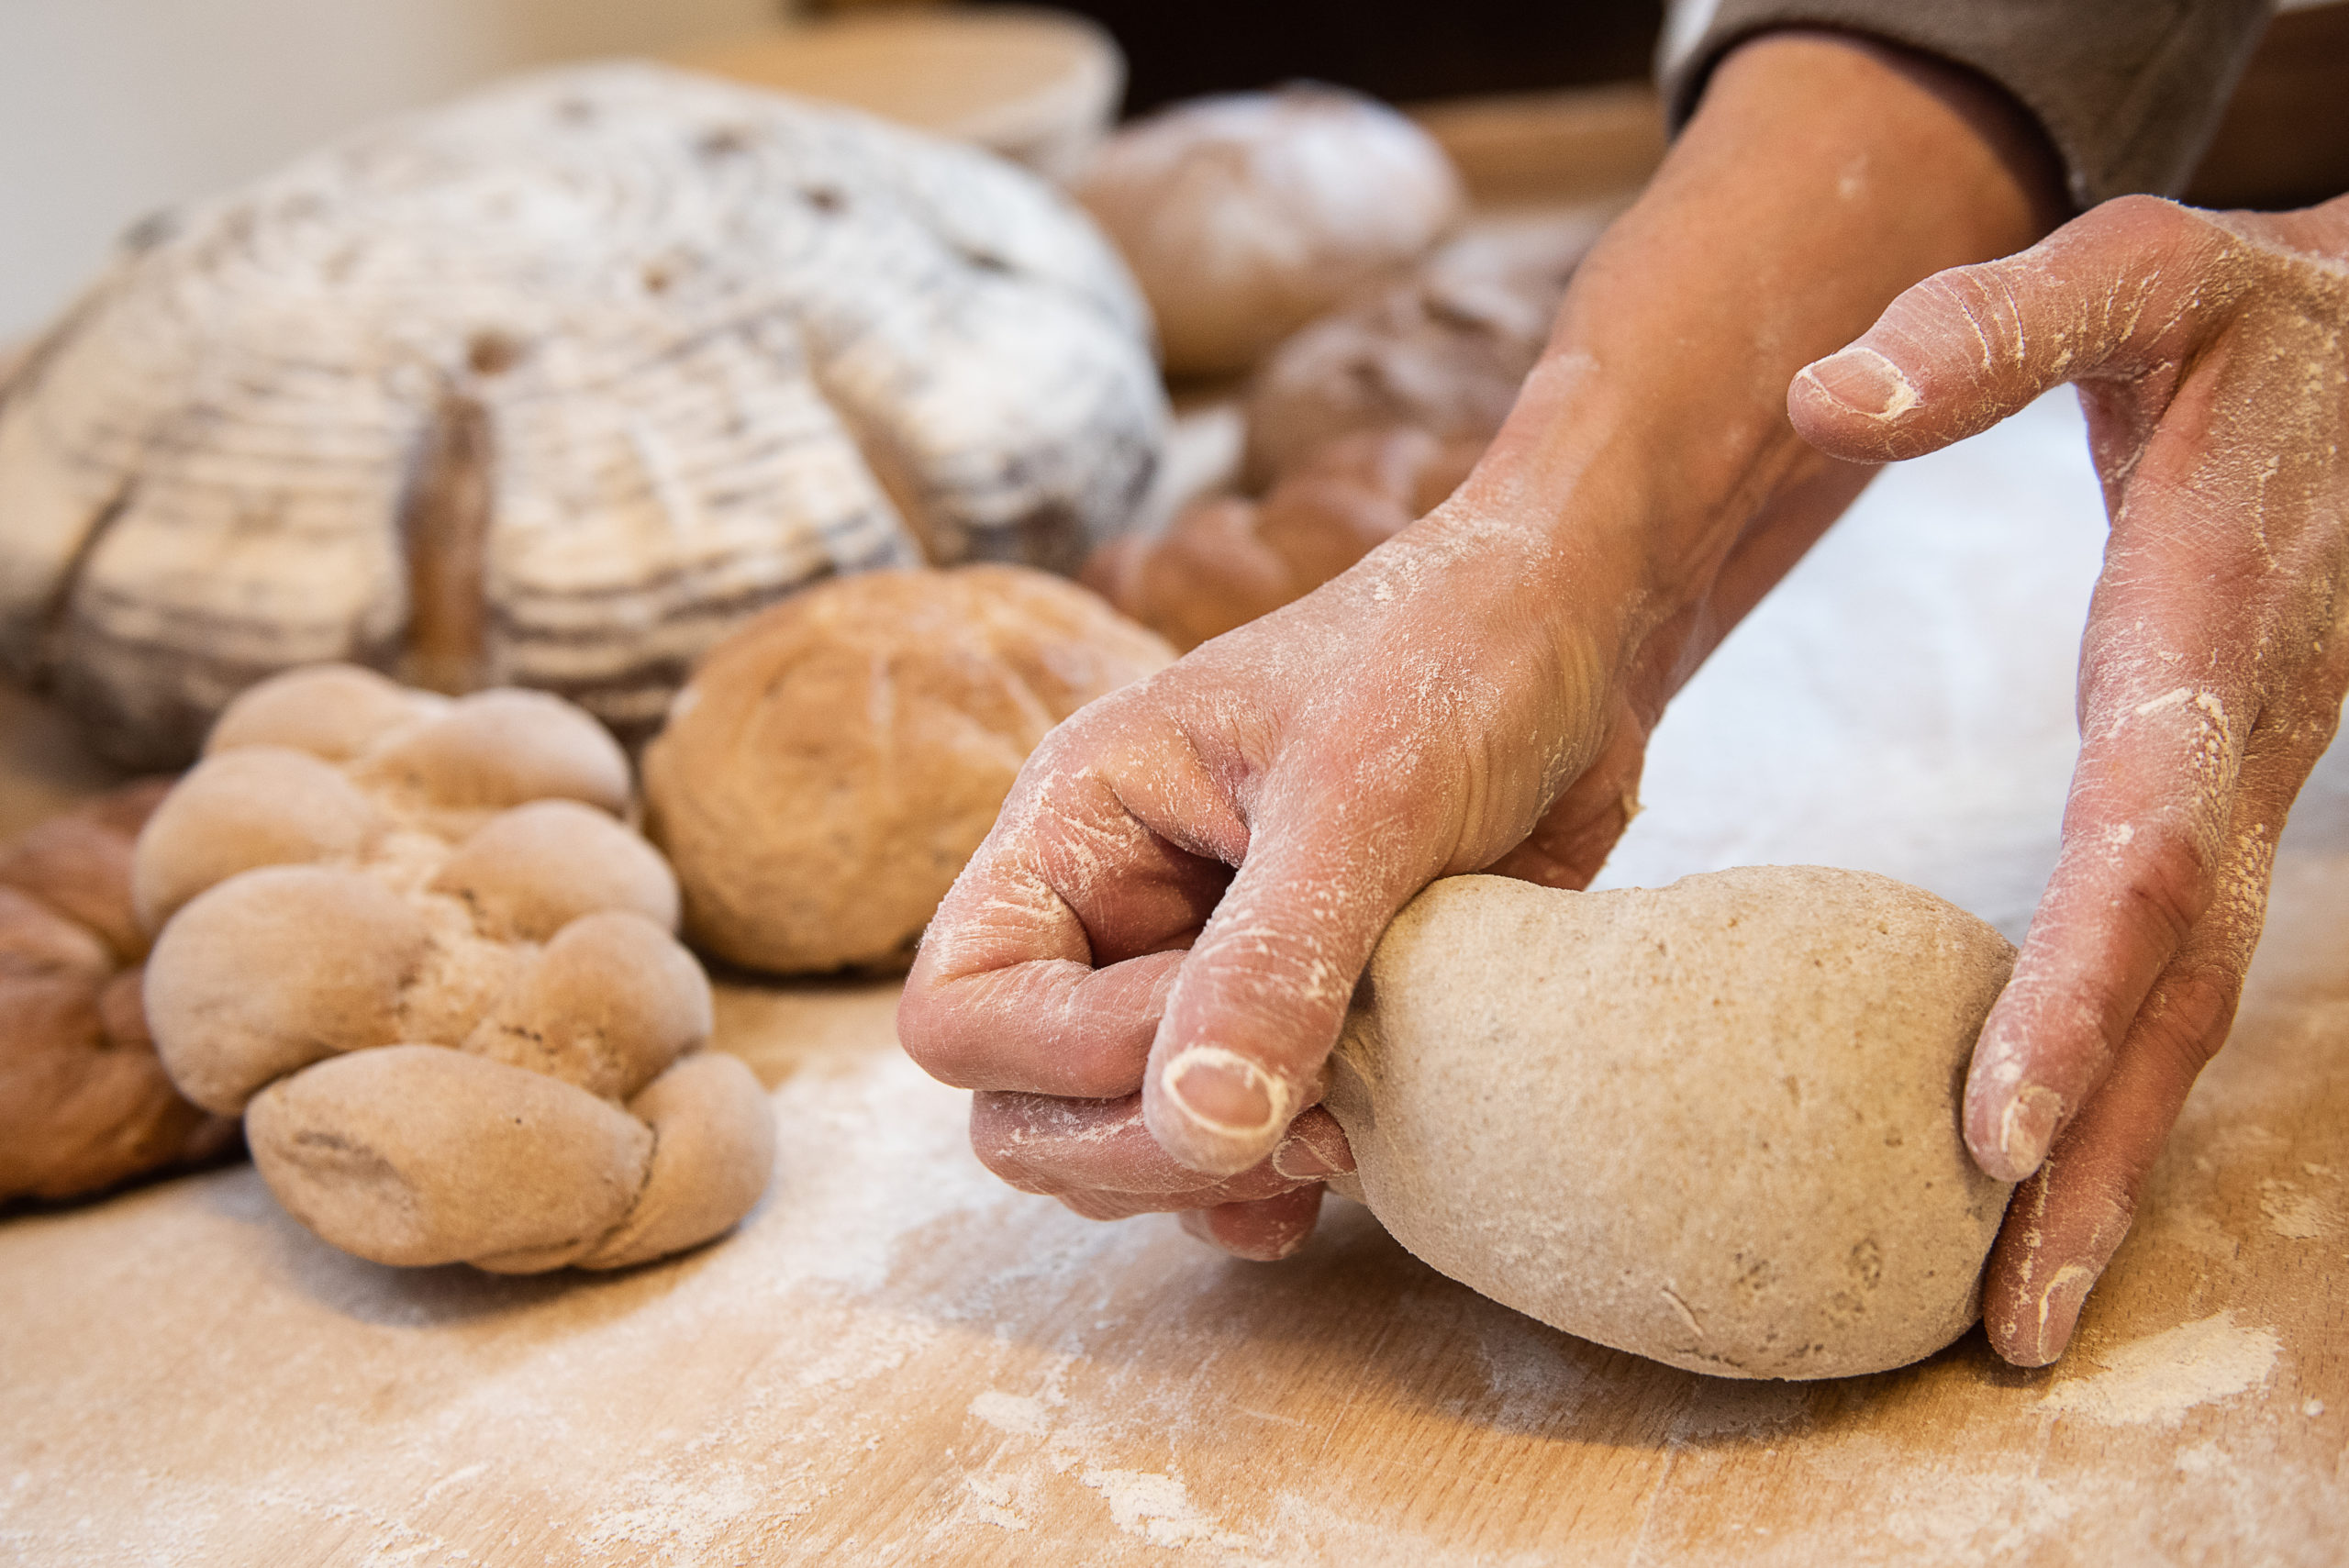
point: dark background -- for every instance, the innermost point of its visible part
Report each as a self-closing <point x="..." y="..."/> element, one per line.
<point x="1398" y="49"/>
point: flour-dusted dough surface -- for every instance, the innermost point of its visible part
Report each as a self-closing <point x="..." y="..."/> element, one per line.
<point x="1715" y="1124"/>
<point x="552" y="387"/>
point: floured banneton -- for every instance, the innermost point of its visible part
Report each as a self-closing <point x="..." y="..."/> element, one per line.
<point x="1715" y="1124"/>
<point x="552" y="387"/>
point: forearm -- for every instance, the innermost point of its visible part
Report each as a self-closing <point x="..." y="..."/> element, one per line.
<point x="1820" y="177"/>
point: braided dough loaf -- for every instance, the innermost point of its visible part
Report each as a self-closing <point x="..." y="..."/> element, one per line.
<point x="1715" y="1124"/>
<point x="831" y="768"/>
<point x="83" y="1102"/>
<point x="411" y="943"/>
<point x="552" y="387"/>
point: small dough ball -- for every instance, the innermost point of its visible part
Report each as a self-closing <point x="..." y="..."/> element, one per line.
<point x="334" y="711"/>
<point x="500" y="748"/>
<point x="1716" y="1124"/>
<point x="832" y="765"/>
<point x="611" y="1001"/>
<point x="1245" y="215"/>
<point x="1445" y="351"/>
<point x="416" y="1154"/>
<point x="527" y="872"/>
<point x="256" y="805"/>
<point x="713" y="1151"/>
<point x="274" y="968"/>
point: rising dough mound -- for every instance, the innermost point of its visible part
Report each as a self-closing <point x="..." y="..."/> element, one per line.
<point x="552" y="386"/>
<point x="411" y="943"/>
<point x="1715" y="1124"/>
<point x="831" y="768"/>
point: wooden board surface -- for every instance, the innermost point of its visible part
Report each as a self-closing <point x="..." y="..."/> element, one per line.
<point x="897" y="1360"/>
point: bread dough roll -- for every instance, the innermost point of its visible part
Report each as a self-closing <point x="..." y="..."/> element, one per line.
<point x="1714" y="1124"/>
<point x="1445" y="351"/>
<point x="1247" y="215"/>
<point x="828" y="771"/>
<point x="1225" y="560"/>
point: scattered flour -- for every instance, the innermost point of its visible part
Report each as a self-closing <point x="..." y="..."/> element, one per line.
<point x="2162" y="1377"/>
<point x="1021" y="1414"/>
<point x="1157" y="1508"/>
<point x="2291" y="1213"/>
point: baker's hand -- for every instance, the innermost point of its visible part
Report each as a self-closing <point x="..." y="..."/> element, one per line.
<point x="1146" y="1025"/>
<point x="2211" y="350"/>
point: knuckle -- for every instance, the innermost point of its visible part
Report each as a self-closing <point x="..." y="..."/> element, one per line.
<point x="2187" y="1017"/>
<point x="2167" y="887"/>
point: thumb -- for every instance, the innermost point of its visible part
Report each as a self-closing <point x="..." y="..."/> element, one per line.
<point x="1263" y="992"/>
<point x="2109" y="294"/>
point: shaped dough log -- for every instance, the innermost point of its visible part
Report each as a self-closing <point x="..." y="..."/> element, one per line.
<point x="417" y="1155"/>
<point x="713" y="1147"/>
<point x="1715" y="1124"/>
<point x="257" y="805"/>
<point x="274" y="969"/>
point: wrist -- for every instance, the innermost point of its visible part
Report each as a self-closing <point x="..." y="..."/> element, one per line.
<point x="1819" y="176"/>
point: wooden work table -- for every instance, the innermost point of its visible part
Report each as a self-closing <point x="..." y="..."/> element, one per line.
<point x="897" y="1360"/>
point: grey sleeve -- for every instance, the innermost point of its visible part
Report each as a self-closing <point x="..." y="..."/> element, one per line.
<point x="2129" y="91"/>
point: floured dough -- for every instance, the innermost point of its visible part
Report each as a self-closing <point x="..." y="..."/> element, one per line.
<point x="1715" y="1124"/>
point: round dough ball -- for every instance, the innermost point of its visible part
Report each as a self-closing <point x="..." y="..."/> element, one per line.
<point x="529" y="872"/>
<point x="501" y="748"/>
<point x="274" y="969"/>
<point x="1243" y="217"/>
<point x="608" y="1004"/>
<point x="832" y="766"/>
<point x="1715" y="1124"/>
<point x="416" y="1154"/>
<point x="255" y="805"/>
<point x="335" y="711"/>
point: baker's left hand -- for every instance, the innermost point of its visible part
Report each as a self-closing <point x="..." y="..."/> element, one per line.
<point x="2211" y="350"/>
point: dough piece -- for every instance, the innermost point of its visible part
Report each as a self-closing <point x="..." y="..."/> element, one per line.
<point x="83" y="1101"/>
<point x="441" y="1006"/>
<point x="1715" y="1124"/>
<point x="1225" y="560"/>
<point x="552" y="387"/>
<point x="832" y="765"/>
<point x="1445" y="351"/>
<point x="1245" y="215"/>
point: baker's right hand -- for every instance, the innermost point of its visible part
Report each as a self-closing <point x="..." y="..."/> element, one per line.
<point x="1143" y="969"/>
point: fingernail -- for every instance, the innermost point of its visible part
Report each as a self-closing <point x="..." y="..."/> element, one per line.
<point x="1863" y="382"/>
<point x="2025" y="1128"/>
<point x="1221" y="1091"/>
<point x="2058" y="1314"/>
